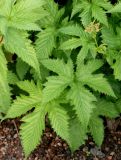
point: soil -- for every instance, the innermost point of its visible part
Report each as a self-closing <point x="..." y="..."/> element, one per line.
<point x="54" y="148"/>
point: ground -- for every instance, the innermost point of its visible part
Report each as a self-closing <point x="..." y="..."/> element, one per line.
<point x="54" y="148"/>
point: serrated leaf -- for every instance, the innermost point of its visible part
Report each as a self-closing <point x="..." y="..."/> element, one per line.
<point x="106" y="108"/>
<point x="99" y="14"/>
<point x="85" y="16"/>
<point x="94" y="82"/>
<point x="111" y="38"/>
<point x="21" y="68"/>
<point x="82" y="100"/>
<point x="59" y="120"/>
<point x="60" y="67"/>
<point x="118" y="105"/>
<point x="116" y="8"/>
<point x="77" y="137"/>
<point x="71" y="44"/>
<point x="30" y="87"/>
<point x="25" y="103"/>
<point x="54" y="87"/>
<point x="85" y="76"/>
<point x="97" y="129"/>
<point x="25" y="13"/>
<point x="32" y="130"/>
<point x="45" y="43"/>
<point x="17" y="42"/>
<point x="115" y="66"/>
<point x="12" y="78"/>
<point x="6" y="7"/>
<point x="74" y="30"/>
<point x="5" y="99"/>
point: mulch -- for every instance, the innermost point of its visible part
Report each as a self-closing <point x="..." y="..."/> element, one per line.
<point x="53" y="147"/>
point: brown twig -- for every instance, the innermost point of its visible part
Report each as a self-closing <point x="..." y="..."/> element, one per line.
<point x="15" y="127"/>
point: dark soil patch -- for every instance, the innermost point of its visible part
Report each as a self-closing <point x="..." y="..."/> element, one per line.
<point x="54" y="148"/>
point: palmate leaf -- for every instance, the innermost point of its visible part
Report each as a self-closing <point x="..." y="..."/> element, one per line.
<point x="86" y="77"/>
<point x="32" y="130"/>
<point x="82" y="100"/>
<point x="82" y="39"/>
<point x="59" y="120"/>
<point x="56" y="84"/>
<point x="94" y="82"/>
<point x="25" y="13"/>
<point x="89" y="10"/>
<point x="74" y="42"/>
<point x="34" y="123"/>
<point x="54" y="87"/>
<point x="53" y="12"/>
<point x="16" y="42"/>
<point x="25" y="103"/>
<point x="5" y="91"/>
<point x="60" y="67"/>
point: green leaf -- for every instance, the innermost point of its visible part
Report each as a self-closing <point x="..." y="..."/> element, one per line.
<point x="25" y="13"/>
<point x="6" y="7"/>
<point x="16" y="42"/>
<point x="5" y="99"/>
<point x="30" y="87"/>
<point x="82" y="100"/>
<point x="12" y="78"/>
<point x="25" y="103"/>
<point x="115" y="66"/>
<point x="95" y="82"/>
<point x="99" y="14"/>
<point x="90" y="67"/>
<point x="45" y="43"/>
<point x="21" y="68"/>
<point x="82" y="55"/>
<point x="71" y="44"/>
<point x="60" y="67"/>
<point x="53" y="13"/>
<point x="59" y="120"/>
<point x="106" y="108"/>
<point x="85" y="76"/>
<point x="74" y="30"/>
<point x="32" y="130"/>
<point x="77" y="134"/>
<point x="116" y="8"/>
<point x="97" y="130"/>
<point x="54" y="87"/>
<point x="118" y="105"/>
<point x="111" y="38"/>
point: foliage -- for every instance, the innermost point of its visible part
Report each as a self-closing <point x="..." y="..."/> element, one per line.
<point x="60" y="63"/>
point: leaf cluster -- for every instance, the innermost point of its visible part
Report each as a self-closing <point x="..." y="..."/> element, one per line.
<point x="63" y="63"/>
